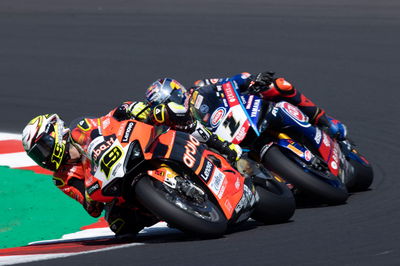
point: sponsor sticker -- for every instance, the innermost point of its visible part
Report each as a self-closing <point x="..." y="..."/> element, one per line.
<point x="93" y="188"/>
<point x="194" y="97"/>
<point x="274" y="111"/>
<point x="100" y="148"/>
<point x="237" y="183"/>
<point x="326" y="141"/>
<point x="199" y="101"/>
<point x="95" y="143"/>
<point x="243" y="100"/>
<point x="207" y="171"/>
<point x="216" y="182"/>
<point x="222" y="190"/>
<point x="204" y="108"/>
<point x="106" y="123"/>
<point x="295" y="113"/>
<point x="307" y="155"/>
<point x="250" y="101"/>
<point x="190" y="151"/>
<point x="230" y="94"/>
<point x="217" y="116"/>
<point x="318" y="136"/>
<point x="228" y="205"/>
<point x="255" y="108"/>
<point x="128" y="132"/>
<point x="242" y="133"/>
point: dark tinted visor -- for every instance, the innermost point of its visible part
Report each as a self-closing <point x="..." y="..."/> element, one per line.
<point x="42" y="149"/>
<point x="176" y="97"/>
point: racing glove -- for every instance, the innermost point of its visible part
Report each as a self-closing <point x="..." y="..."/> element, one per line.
<point x="139" y="110"/>
<point x="94" y="208"/>
<point x="232" y="151"/>
<point x="261" y="82"/>
<point x="201" y="133"/>
<point x="132" y="110"/>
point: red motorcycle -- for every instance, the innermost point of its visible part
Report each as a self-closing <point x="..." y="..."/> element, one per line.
<point x="174" y="177"/>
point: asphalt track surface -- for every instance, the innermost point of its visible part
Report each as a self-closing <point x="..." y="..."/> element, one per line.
<point x="78" y="58"/>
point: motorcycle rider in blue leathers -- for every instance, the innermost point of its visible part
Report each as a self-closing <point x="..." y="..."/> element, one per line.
<point x="163" y="95"/>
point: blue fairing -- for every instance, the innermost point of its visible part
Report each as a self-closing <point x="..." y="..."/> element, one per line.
<point x="252" y="107"/>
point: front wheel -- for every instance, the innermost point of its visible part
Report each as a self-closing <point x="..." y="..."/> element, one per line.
<point x="200" y="217"/>
<point x="275" y="161"/>
<point x="276" y="203"/>
<point x="363" y="176"/>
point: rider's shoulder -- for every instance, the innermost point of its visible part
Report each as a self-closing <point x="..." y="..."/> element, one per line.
<point x="83" y="123"/>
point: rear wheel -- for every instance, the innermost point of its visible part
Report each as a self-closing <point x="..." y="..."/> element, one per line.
<point x="277" y="162"/>
<point x="276" y="203"/>
<point x="198" y="216"/>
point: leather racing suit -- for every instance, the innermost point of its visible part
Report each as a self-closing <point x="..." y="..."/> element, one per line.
<point x="274" y="90"/>
<point x="277" y="90"/>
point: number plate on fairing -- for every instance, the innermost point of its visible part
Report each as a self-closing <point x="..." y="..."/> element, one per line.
<point x="110" y="163"/>
<point x="233" y="125"/>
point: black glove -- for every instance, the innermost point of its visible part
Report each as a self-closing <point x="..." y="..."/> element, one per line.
<point x="261" y="82"/>
<point x="232" y="151"/>
<point x="94" y="208"/>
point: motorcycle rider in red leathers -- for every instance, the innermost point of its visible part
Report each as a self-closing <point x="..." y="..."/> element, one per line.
<point x="62" y="150"/>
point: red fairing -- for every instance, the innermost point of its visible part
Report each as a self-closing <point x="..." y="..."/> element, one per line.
<point x="329" y="151"/>
<point x="242" y="133"/>
<point x="230" y="94"/>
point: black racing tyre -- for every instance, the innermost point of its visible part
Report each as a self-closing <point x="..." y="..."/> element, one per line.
<point x="275" y="161"/>
<point x="276" y="204"/>
<point x="363" y="176"/>
<point x="204" y="219"/>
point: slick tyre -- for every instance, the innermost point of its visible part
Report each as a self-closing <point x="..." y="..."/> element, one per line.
<point x="204" y="220"/>
<point x="363" y="176"/>
<point x="275" y="161"/>
<point x="276" y="204"/>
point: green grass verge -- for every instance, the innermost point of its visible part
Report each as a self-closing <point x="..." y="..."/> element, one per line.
<point x="32" y="208"/>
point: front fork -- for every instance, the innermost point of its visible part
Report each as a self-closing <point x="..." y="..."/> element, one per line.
<point x="173" y="180"/>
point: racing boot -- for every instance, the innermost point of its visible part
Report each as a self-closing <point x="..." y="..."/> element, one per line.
<point x="125" y="222"/>
<point x="333" y="127"/>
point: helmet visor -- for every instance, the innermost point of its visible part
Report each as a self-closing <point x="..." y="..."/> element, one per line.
<point x="42" y="150"/>
<point x="176" y="97"/>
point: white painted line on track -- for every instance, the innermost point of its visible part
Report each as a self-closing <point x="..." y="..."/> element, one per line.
<point x="9" y="260"/>
<point x="10" y="136"/>
<point x="16" y="160"/>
